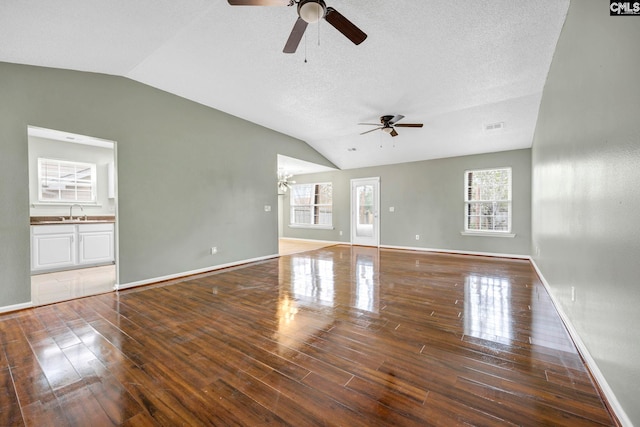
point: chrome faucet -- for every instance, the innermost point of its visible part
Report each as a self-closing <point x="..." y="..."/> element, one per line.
<point x="71" y="210"/>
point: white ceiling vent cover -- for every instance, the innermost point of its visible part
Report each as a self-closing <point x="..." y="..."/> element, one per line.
<point x="494" y="127"/>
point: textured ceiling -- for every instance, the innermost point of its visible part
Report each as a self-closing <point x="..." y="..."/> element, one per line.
<point x="454" y="66"/>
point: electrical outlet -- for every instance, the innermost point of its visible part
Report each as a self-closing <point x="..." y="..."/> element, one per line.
<point x="341" y="232"/>
<point x="417" y="237"/>
<point x="267" y="208"/>
<point x="214" y="250"/>
<point x="392" y="209"/>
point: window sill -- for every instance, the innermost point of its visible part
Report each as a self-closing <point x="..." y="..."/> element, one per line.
<point x="65" y="204"/>
<point x="312" y="226"/>
<point x="487" y="234"/>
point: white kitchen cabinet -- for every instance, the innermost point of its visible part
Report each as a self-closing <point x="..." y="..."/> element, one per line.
<point x="68" y="246"/>
<point x="53" y="246"/>
<point x="95" y="243"/>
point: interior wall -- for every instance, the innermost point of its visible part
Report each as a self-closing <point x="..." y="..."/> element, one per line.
<point x="586" y="170"/>
<point x="189" y="177"/>
<point x="60" y="150"/>
<point x="428" y="200"/>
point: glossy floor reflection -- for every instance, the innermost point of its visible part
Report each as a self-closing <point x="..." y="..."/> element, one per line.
<point x="336" y="336"/>
<point x="295" y="246"/>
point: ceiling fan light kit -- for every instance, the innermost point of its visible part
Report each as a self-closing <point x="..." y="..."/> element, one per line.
<point x="309" y="12"/>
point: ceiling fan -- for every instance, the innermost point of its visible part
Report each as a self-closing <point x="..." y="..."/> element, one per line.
<point x="309" y="12"/>
<point x="389" y="123"/>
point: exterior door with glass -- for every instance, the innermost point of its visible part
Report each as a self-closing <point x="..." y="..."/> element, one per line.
<point x="365" y="206"/>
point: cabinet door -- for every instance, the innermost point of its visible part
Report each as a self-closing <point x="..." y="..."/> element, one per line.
<point x="50" y="251"/>
<point x="95" y="247"/>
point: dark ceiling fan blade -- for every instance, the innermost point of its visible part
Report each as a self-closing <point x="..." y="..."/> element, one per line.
<point x="296" y="35"/>
<point x="396" y="119"/>
<point x="370" y="124"/>
<point x="345" y="26"/>
<point x="393" y="133"/>
<point x="371" y="130"/>
<point x="259" y="2"/>
<point x="409" y="125"/>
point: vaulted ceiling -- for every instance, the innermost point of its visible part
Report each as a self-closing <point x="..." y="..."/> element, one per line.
<point x="454" y="66"/>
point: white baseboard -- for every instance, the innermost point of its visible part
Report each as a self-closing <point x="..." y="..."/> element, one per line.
<point x="16" y="307"/>
<point x="421" y="249"/>
<point x="612" y="400"/>
<point x="119" y="287"/>
<point x="453" y="251"/>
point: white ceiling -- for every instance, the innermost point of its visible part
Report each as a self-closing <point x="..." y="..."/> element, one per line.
<point x="454" y="66"/>
<point x="289" y="165"/>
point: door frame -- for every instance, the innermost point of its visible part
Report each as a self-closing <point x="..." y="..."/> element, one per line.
<point x="116" y="225"/>
<point x="375" y="240"/>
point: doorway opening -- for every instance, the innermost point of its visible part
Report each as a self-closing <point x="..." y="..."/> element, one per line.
<point x="288" y="168"/>
<point x="73" y="215"/>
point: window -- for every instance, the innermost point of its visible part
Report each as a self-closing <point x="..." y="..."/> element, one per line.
<point x="487" y="205"/>
<point x="65" y="181"/>
<point x="312" y="205"/>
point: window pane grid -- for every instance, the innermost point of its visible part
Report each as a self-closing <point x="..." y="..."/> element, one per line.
<point x="63" y="181"/>
<point x="488" y="200"/>
<point x="312" y="204"/>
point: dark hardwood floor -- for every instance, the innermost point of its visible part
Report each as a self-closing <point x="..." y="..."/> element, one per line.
<point x="337" y="336"/>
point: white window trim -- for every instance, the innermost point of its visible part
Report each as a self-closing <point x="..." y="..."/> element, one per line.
<point x="94" y="185"/>
<point x="488" y="233"/>
<point x="65" y="204"/>
<point x="312" y="226"/>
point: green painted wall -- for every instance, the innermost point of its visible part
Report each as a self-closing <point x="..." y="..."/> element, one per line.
<point x="586" y="199"/>
<point x="190" y="177"/>
<point x="428" y="198"/>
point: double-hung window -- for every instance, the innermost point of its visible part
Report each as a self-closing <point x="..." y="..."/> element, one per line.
<point x="487" y="204"/>
<point x="66" y="182"/>
<point x="312" y="205"/>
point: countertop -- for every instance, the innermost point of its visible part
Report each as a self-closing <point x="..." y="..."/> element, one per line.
<point x="52" y="220"/>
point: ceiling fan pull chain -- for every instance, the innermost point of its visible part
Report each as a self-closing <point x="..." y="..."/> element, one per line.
<point x="305" y="48"/>
<point x="318" y="23"/>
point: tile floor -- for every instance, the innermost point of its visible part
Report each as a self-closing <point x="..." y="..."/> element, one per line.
<point x="65" y="285"/>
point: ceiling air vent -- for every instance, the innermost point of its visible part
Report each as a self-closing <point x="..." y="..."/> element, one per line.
<point x="494" y="127"/>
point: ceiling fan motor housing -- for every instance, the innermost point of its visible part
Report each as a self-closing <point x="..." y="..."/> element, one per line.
<point x="311" y="11"/>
